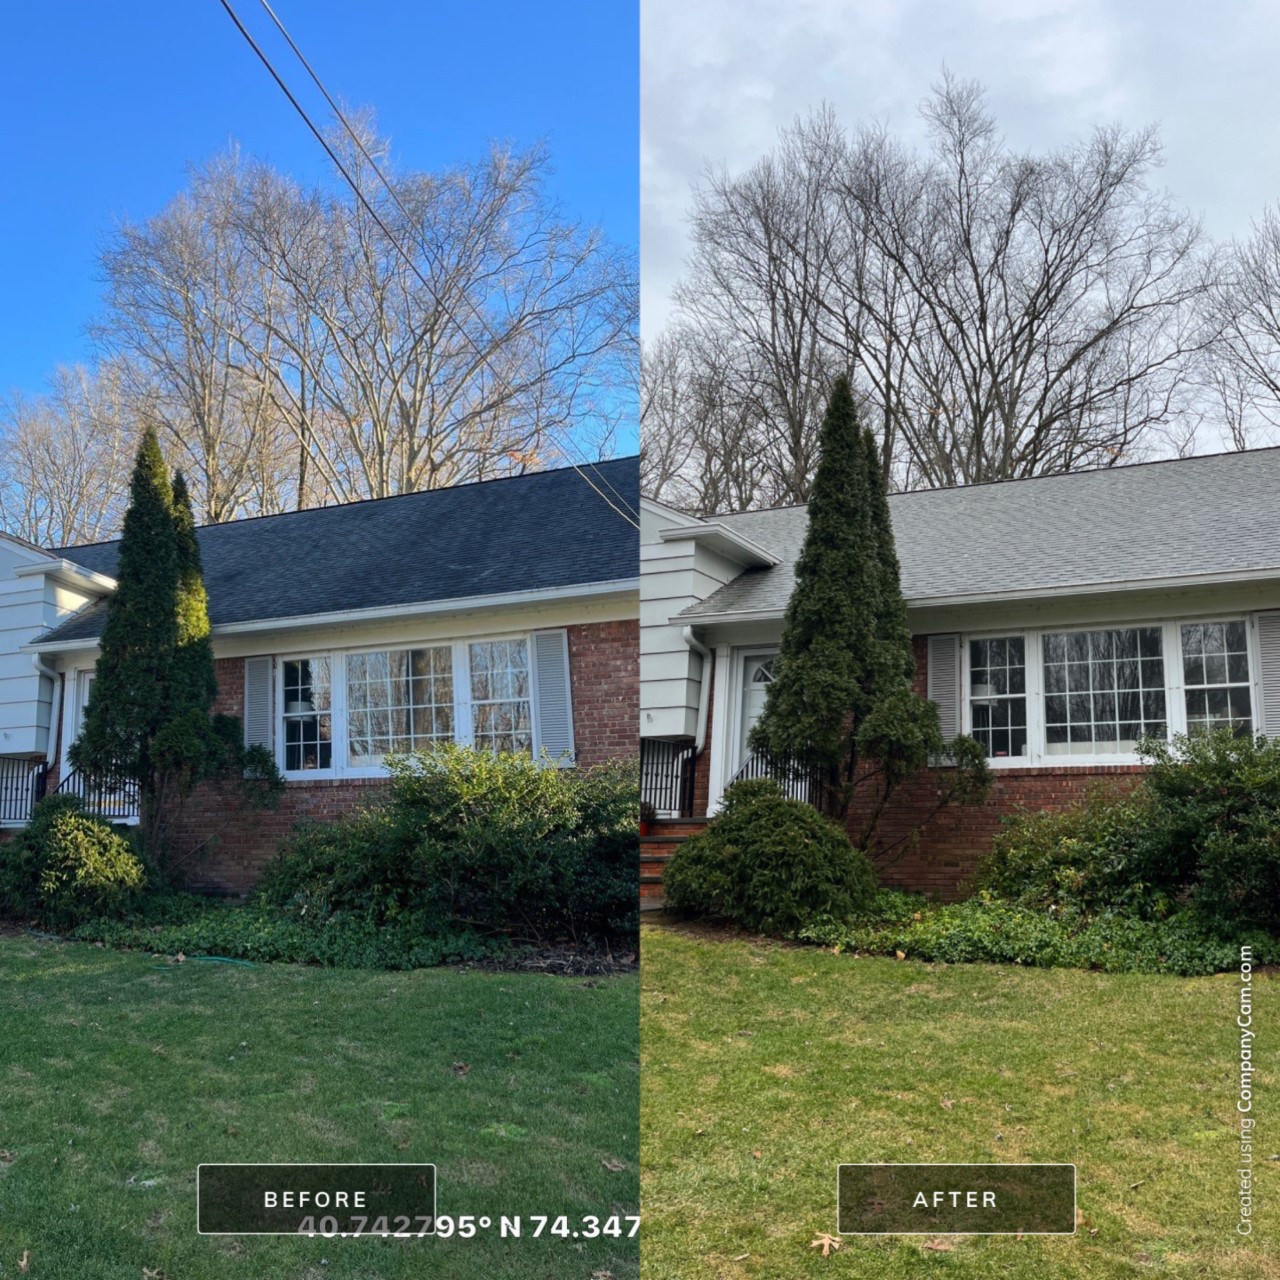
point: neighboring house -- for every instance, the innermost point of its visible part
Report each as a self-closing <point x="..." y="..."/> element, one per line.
<point x="1057" y="620"/>
<point x="501" y="614"/>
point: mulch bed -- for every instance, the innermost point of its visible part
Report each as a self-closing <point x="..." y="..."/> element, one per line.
<point x="565" y="960"/>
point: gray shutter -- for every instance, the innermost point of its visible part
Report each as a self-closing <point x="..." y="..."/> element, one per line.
<point x="553" y="703"/>
<point x="944" y="682"/>
<point x="259" y="686"/>
<point x="1268" y="629"/>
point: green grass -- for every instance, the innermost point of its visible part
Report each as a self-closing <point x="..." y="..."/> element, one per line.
<point x="117" y="1070"/>
<point x="764" y="1066"/>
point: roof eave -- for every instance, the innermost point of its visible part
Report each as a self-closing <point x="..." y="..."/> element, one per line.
<point x="498" y="600"/>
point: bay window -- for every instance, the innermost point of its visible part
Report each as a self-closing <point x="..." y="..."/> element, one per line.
<point x="1092" y="695"/>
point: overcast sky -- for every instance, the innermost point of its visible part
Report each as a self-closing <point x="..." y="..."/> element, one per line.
<point x="718" y="78"/>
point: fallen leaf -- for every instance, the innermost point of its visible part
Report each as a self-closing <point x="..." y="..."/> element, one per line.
<point x="1133" y="1186"/>
<point x="902" y="955"/>
<point x="939" y="1244"/>
<point x="614" y="1165"/>
<point x="948" y="1103"/>
<point x="756" y="1155"/>
<point x="1093" y="1231"/>
<point x="8" y="1157"/>
<point x="826" y="1243"/>
<point x="461" y="1068"/>
<point x="24" y="1262"/>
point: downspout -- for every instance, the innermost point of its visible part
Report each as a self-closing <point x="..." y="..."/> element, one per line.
<point x="704" y="688"/>
<point x="55" y="709"/>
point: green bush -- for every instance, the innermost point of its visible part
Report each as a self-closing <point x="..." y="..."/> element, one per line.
<point x="1215" y="802"/>
<point x="1095" y="855"/>
<point x="1202" y="828"/>
<point x="66" y="866"/>
<point x="770" y="864"/>
<point x="495" y="842"/>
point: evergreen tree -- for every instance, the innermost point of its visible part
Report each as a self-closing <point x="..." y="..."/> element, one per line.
<point x="194" y="682"/>
<point x="129" y="702"/>
<point x="841" y="699"/>
<point x="830" y="664"/>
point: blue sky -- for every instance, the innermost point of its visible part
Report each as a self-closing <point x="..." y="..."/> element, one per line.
<point x="105" y="104"/>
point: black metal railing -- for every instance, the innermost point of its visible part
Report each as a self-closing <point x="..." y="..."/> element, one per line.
<point x="666" y="776"/>
<point x="115" y="799"/>
<point x="19" y="782"/>
<point x="797" y="780"/>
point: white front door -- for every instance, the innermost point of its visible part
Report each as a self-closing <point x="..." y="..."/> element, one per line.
<point x="84" y="682"/>
<point x="757" y="676"/>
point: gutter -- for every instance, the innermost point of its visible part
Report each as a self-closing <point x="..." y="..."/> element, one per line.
<point x="704" y="688"/>
<point x="1118" y="586"/>
<point x="55" y="710"/>
<point x="456" y="604"/>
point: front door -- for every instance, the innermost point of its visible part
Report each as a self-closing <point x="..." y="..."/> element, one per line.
<point x="757" y="676"/>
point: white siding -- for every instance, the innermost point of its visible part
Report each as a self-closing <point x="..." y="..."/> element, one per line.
<point x="673" y="575"/>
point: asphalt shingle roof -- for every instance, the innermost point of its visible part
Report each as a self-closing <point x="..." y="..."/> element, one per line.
<point x="1174" y="519"/>
<point x="525" y="533"/>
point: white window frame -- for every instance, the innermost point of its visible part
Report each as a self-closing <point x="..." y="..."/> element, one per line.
<point x="463" y="728"/>
<point x="1037" y="756"/>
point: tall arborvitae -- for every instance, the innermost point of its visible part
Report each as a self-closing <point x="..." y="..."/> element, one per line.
<point x="826" y="672"/>
<point x="891" y="616"/>
<point x="129" y="703"/>
<point x="194" y="683"/>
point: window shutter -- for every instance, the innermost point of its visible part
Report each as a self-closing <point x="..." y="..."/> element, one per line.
<point x="944" y="682"/>
<point x="1268" y="631"/>
<point x="553" y="705"/>
<point x="259" y="722"/>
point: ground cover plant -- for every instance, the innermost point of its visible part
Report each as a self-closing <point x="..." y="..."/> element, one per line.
<point x="120" y="1073"/>
<point x="764" y="1065"/>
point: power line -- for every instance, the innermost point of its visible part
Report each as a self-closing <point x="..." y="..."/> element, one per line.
<point x="625" y="511"/>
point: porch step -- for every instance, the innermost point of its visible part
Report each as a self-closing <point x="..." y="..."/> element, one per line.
<point x="656" y="850"/>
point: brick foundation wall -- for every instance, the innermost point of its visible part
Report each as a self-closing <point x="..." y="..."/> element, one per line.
<point x="225" y="846"/>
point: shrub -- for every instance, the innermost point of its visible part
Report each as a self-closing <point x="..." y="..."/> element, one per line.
<point x="496" y="842"/>
<point x="770" y="864"/>
<point x="66" y="866"/>
<point x="1096" y="855"/>
<point x="1216" y="808"/>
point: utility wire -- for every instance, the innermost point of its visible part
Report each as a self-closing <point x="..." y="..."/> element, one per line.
<point x="626" y="511"/>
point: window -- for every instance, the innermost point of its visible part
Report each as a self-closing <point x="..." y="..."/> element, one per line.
<point x="308" y="715"/>
<point x="1103" y="691"/>
<point x="501" y="712"/>
<point x="998" y="695"/>
<point x="398" y="700"/>
<point x="1215" y="668"/>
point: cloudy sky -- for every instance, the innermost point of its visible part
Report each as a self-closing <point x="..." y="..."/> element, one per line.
<point x="719" y="77"/>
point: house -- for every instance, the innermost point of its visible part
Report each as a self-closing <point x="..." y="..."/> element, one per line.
<point x="1058" y="620"/>
<point x="501" y="614"/>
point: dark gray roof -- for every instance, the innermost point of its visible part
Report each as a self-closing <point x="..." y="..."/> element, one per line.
<point x="524" y="533"/>
<point x="1175" y="519"/>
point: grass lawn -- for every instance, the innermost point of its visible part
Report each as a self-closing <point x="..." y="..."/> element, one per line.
<point x="120" y="1073"/>
<point x="764" y="1066"/>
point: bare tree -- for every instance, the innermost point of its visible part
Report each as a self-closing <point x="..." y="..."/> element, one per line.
<point x="1002" y="315"/>
<point x="65" y="458"/>
<point x="1244" y="311"/>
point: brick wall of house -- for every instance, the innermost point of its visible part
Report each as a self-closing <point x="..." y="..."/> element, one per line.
<point x="226" y="845"/>
<point x="604" y="673"/>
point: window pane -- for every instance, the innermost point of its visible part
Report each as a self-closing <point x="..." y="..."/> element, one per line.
<point x="398" y="700"/>
<point x="997" y="695"/>
<point x="502" y="715"/>
<point x="1114" y="681"/>
<point x="1216" y="669"/>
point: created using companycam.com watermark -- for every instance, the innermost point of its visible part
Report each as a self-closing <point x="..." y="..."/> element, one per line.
<point x="1244" y="1096"/>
